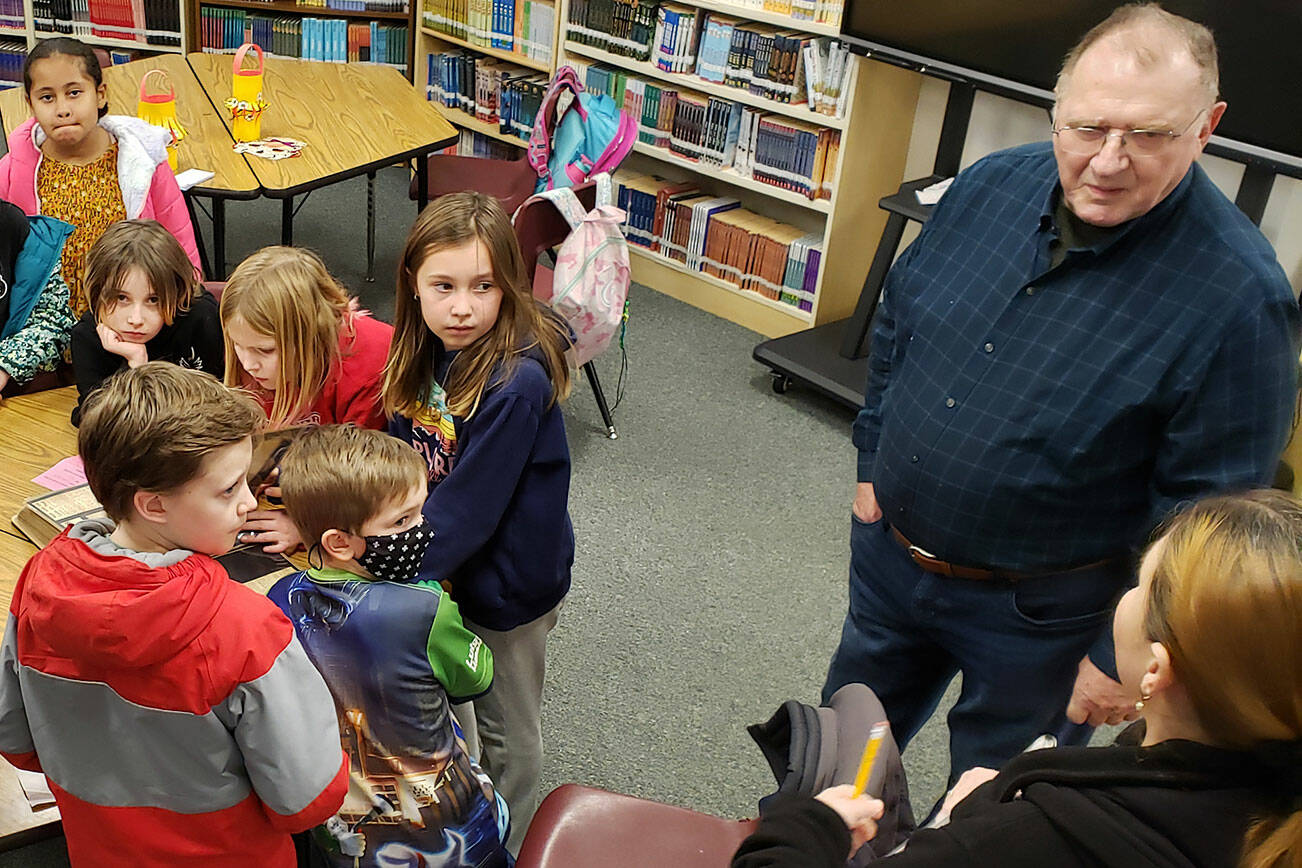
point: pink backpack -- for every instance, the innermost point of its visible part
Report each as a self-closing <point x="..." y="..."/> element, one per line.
<point x="591" y="135"/>
<point x="591" y="278"/>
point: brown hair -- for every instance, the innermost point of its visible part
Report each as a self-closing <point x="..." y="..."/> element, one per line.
<point x="146" y="245"/>
<point x="72" y="48"/>
<point x="1134" y="24"/>
<point x="450" y="221"/>
<point x="287" y="294"/>
<point x="341" y="476"/>
<point x="1226" y="601"/>
<point x="149" y="428"/>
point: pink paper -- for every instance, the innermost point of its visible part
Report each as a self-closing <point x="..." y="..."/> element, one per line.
<point x="65" y="474"/>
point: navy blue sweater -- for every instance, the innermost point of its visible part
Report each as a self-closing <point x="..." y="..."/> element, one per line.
<point x="499" y="503"/>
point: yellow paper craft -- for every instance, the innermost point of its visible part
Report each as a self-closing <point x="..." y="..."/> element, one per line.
<point x="159" y="109"/>
<point x="246" y="104"/>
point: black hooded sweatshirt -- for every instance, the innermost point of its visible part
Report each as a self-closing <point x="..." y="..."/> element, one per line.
<point x="1176" y="804"/>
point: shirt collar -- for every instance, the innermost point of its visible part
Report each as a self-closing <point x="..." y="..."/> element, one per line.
<point x="1155" y="215"/>
<point x="332" y="574"/>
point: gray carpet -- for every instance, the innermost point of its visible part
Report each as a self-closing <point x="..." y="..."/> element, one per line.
<point x="713" y="543"/>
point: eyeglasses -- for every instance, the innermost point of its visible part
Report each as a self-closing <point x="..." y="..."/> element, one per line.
<point x="1086" y="141"/>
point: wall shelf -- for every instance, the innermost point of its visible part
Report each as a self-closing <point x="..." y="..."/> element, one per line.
<point x="287" y="6"/>
<point x="469" y="122"/>
<point x="728" y="176"/>
<point x="110" y="42"/>
<point x="776" y="18"/>
<point x="719" y="297"/>
<point x="692" y="82"/>
<point x="500" y="54"/>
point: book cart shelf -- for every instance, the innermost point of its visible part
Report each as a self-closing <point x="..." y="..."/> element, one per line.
<point x="874" y="137"/>
<point x="124" y="29"/>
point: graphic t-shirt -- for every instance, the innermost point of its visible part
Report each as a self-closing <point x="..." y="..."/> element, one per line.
<point x="394" y="656"/>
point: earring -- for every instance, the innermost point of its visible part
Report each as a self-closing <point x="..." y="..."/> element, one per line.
<point x="1144" y="696"/>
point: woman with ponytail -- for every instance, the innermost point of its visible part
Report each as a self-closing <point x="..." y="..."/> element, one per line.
<point x="1210" y="644"/>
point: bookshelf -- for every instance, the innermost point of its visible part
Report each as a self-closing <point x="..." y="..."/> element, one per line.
<point x="126" y="31"/>
<point x="874" y="128"/>
<point x="734" y="94"/>
<point x="330" y="30"/>
<point x="526" y="45"/>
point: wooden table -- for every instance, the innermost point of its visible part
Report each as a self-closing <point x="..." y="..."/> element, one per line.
<point x="36" y="434"/>
<point x="355" y="118"/>
<point x="207" y="145"/>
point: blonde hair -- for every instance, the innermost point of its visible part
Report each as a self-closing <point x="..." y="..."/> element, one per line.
<point x="1226" y="601"/>
<point x="1133" y="25"/>
<point x="146" y="245"/>
<point x="450" y="221"/>
<point x="149" y="428"/>
<point x="341" y="476"/>
<point x="287" y="294"/>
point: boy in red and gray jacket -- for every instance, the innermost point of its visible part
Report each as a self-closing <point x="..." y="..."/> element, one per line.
<point x="176" y="716"/>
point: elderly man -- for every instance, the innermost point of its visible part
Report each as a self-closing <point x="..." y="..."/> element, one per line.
<point x="1082" y="338"/>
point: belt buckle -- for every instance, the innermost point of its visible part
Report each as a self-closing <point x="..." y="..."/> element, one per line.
<point x="919" y="551"/>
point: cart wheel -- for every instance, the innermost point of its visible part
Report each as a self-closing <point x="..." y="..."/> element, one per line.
<point x="781" y="382"/>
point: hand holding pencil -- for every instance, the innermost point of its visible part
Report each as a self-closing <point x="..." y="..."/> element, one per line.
<point x="860" y="813"/>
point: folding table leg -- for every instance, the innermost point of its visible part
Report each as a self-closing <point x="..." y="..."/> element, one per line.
<point x="287" y="221"/>
<point x="422" y="182"/>
<point x="219" y="238"/>
<point x="370" y="227"/>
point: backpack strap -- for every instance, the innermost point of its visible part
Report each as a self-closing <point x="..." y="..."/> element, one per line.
<point x="605" y="194"/>
<point x="544" y="126"/>
<point x="566" y="203"/>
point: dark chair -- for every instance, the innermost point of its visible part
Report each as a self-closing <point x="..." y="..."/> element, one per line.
<point x="508" y="181"/>
<point x="582" y="827"/>
<point x="539" y="228"/>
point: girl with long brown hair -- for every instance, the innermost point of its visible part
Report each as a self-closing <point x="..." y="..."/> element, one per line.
<point x="475" y="373"/>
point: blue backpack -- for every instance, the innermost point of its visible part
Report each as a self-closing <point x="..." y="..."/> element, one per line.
<point x="592" y="135"/>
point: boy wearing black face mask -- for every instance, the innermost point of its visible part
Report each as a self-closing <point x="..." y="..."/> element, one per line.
<point x="393" y="655"/>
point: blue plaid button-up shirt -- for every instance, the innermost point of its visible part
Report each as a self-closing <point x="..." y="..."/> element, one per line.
<point x="1025" y="417"/>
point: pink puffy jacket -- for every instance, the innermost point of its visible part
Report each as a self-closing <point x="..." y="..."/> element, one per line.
<point x="149" y="188"/>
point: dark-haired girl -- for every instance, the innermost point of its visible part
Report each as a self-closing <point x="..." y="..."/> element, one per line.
<point x="76" y="162"/>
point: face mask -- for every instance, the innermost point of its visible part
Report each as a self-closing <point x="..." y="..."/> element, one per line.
<point x="396" y="557"/>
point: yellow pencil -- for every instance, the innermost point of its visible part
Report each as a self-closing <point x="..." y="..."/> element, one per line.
<point x="875" y="737"/>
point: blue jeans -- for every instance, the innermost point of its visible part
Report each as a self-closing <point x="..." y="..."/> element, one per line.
<point x="908" y="632"/>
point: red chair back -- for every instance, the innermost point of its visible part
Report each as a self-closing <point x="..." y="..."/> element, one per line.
<point x="583" y="827"/>
<point x="508" y="181"/>
<point x="539" y="227"/>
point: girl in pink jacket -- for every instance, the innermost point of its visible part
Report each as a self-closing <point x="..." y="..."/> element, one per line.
<point x="75" y="162"/>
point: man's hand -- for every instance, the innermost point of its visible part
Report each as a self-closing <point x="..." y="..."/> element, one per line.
<point x="865" y="503"/>
<point x="135" y="354"/>
<point x="272" y="529"/>
<point x="1097" y="699"/>
<point x="860" y="814"/>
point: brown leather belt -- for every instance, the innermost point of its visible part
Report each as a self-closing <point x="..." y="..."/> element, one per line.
<point x="933" y="564"/>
